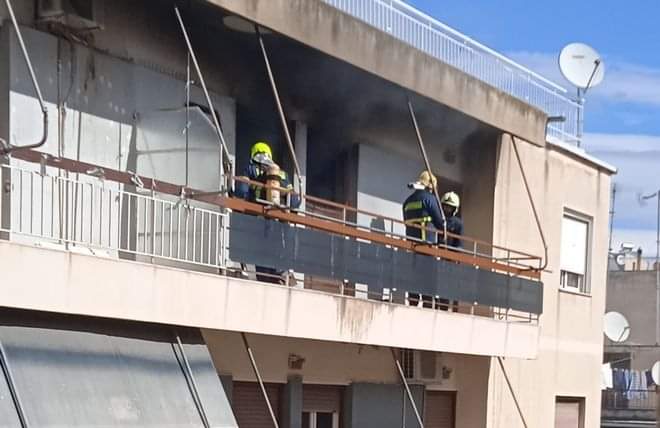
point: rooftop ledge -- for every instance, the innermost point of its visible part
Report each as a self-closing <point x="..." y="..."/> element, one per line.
<point x="67" y="282"/>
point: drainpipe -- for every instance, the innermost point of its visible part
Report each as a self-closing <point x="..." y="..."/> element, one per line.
<point x="5" y="146"/>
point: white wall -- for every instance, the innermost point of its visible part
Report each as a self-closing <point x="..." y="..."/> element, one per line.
<point x="570" y="347"/>
<point x="67" y="282"/>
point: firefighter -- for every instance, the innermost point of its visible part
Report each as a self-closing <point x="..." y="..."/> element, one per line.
<point x="450" y="205"/>
<point x="263" y="169"/>
<point x="421" y="209"/>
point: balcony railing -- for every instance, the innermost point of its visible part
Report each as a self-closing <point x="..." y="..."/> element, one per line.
<point x="642" y="399"/>
<point x="85" y="208"/>
<point x="103" y="218"/>
<point x="458" y="50"/>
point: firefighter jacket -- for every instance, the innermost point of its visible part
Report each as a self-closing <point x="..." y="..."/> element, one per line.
<point x="421" y="209"/>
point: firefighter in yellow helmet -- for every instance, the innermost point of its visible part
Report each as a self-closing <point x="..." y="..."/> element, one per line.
<point x="260" y="168"/>
<point x="421" y="209"/>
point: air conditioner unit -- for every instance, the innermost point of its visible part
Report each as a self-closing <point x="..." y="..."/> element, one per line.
<point x="78" y="15"/>
<point x="421" y="366"/>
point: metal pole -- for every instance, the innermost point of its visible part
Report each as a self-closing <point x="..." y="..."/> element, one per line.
<point x="187" y="128"/>
<point x="12" y="388"/>
<point x="531" y="201"/>
<point x="407" y="388"/>
<point x="259" y="379"/>
<point x="280" y="110"/>
<point x="581" y="94"/>
<point x="657" y="273"/>
<point x="657" y="268"/>
<point x="612" y="212"/>
<point x="218" y="129"/>
<point x="420" y="141"/>
<point x="44" y="111"/>
<point x="190" y="378"/>
<point x="513" y="394"/>
<point x="578" y="132"/>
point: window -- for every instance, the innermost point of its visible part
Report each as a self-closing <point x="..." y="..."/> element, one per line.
<point x="320" y="420"/>
<point x="574" y="258"/>
<point x="569" y="412"/>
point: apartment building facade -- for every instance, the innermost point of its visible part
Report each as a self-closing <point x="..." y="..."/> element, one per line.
<point x="128" y="283"/>
<point x="632" y="291"/>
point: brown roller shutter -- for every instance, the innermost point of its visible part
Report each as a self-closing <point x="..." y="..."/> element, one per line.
<point x="439" y="409"/>
<point x="567" y="414"/>
<point x="322" y="398"/>
<point x="250" y="407"/>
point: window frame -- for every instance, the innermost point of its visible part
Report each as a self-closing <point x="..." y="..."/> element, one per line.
<point x="313" y="414"/>
<point x="585" y="287"/>
<point x="580" y="401"/>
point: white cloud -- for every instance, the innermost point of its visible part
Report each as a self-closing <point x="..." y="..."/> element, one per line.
<point x="631" y="83"/>
<point x="598" y="142"/>
<point x="637" y="158"/>
<point x="624" y="82"/>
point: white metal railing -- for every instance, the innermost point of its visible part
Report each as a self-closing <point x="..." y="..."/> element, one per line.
<point x="101" y="217"/>
<point x="458" y="50"/>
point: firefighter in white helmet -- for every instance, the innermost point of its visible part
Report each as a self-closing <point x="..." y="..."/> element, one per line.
<point x="450" y="205"/>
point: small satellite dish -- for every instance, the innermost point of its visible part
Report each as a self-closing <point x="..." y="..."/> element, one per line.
<point x="616" y="327"/>
<point x="620" y="260"/>
<point x="655" y="372"/>
<point x="581" y="65"/>
<point x="241" y="25"/>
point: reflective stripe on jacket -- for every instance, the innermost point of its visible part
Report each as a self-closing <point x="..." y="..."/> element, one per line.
<point x="421" y="209"/>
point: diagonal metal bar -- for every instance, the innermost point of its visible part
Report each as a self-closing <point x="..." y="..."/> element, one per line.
<point x="253" y="362"/>
<point x="280" y="110"/>
<point x="422" y="148"/>
<point x="225" y="151"/>
<point x="407" y="388"/>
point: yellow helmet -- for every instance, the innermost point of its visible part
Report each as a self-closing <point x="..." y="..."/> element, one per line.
<point x="427" y="180"/>
<point x="261" y="147"/>
<point x="451" y="199"/>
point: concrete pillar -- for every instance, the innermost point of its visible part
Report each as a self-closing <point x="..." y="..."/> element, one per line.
<point x="300" y="144"/>
<point x="292" y="402"/>
<point x="5" y="182"/>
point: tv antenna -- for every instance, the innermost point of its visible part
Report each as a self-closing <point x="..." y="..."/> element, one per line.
<point x="616" y="327"/>
<point x="581" y="65"/>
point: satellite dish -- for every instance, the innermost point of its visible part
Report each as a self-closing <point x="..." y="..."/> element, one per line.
<point x="616" y="327"/>
<point x="581" y="65"/>
<point x="655" y="372"/>
<point x="241" y="25"/>
<point x="620" y="260"/>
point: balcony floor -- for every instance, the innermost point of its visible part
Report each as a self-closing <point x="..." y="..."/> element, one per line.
<point x="68" y="282"/>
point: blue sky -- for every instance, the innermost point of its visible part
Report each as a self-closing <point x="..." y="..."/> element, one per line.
<point x="622" y="115"/>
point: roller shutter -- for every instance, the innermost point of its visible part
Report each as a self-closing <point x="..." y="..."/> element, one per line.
<point x="439" y="409"/>
<point x="250" y="407"/>
<point x="322" y="398"/>
<point x="567" y="414"/>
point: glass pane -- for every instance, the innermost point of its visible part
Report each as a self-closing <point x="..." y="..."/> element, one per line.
<point x="324" y="420"/>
